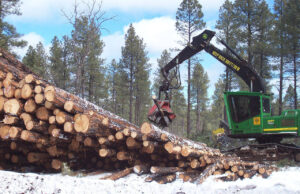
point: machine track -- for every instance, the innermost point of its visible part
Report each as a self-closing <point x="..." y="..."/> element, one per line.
<point x="266" y="152"/>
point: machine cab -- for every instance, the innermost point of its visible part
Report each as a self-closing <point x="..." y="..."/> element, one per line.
<point x="245" y="113"/>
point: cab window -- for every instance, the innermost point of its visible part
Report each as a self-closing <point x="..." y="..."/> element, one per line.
<point x="244" y="107"/>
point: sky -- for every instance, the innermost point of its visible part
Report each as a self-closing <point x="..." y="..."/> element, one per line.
<point x="154" y="21"/>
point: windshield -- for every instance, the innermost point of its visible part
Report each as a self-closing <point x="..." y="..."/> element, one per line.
<point x="244" y="107"/>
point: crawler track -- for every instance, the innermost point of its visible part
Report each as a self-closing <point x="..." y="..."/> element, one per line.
<point x="266" y="152"/>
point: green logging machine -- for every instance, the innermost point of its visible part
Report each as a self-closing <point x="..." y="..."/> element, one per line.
<point x="248" y="112"/>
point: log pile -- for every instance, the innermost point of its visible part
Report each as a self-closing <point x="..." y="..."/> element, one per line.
<point x="43" y="127"/>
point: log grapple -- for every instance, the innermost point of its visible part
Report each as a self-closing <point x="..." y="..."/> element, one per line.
<point x="161" y="113"/>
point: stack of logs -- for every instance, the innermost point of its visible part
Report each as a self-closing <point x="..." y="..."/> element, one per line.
<point x="43" y="127"/>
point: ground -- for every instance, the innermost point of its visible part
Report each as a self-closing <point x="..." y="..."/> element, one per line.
<point x="286" y="180"/>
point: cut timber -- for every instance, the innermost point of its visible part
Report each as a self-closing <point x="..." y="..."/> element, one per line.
<point x="209" y="170"/>
<point x="9" y="92"/>
<point x="30" y="106"/>
<point x="29" y="78"/>
<point x="25" y="117"/>
<point x="71" y="108"/>
<point x="33" y="137"/>
<point x="14" y="132"/>
<point x="164" y="170"/>
<point x="149" y="130"/>
<point x="37" y="157"/>
<point x="26" y="91"/>
<point x="132" y="143"/>
<point x="42" y="113"/>
<point x="38" y="89"/>
<point x="166" y="179"/>
<point x="141" y="169"/>
<point x="81" y="123"/>
<point x="106" y="152"/>
<point x="39" y="98"/>
<point x="13" y="107"/>
<point x="17" y="94"/>
<point x="10" y="120"/>
<point x="89" y="142"/>
<point x="118" y="175"/>
<point x="119" y="135"/>
<point x="4" y="131"/>
<point x="62" y="117"/>
<point x="56" y="164"/>
<point x="123" y="155"/>
<point x="2" y="102"/>
<point x="68" y="127"/>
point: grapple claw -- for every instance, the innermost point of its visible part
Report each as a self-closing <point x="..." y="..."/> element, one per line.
<point x="161" y="113"/>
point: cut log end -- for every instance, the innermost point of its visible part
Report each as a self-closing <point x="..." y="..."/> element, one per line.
<point x="81" y="123"/>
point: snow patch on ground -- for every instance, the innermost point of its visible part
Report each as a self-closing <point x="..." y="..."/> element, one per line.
<point x="284" y="181"/>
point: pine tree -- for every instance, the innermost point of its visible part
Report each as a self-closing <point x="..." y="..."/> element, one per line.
<point x="262" y="44"/>
<point x="199" y="84"/>
<point x="246" y="19"/>
<point x="293" y="30"/>
<point x="134" y="65"/>
<point x="59" y="70"/>
<point x="164" y="59"/>
<point x="289" y="100"/>
<point x="280" y="44"/>
<point x="189" y="19"/>
<point x="36" y="60"/>
<point x="227" y="31"/>
<point x="217" y="113"/>
<point x="8" y="35"/>
<point x="87" y="48"/>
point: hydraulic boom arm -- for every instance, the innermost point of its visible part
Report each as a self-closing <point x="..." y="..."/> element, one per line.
<point x="159" y="113"/>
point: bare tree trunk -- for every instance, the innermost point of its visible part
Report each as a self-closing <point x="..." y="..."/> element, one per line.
<point x="295" y="83"/>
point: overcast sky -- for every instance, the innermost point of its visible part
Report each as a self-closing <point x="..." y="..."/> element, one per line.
<point x="154" y="21"/>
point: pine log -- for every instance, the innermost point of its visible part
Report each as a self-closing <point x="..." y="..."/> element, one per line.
<point x="63" y="117"/>
<point x="9" y="91"/>
<point x="13" y="107"/>
<point x="39" y="98"/>
<point x="38" y="89"/>
<point x="119" y="135"/>
<point x="249" y="173"/>
<point x="150" y="131"/>
<point x="166" y="179"/>
<point x="13" y="145"/>
<point x="55" y="152"/>
<point x="10" y="120"/>
<point x="106" y="152"/>
<point x="37" y="126"/>
<point x="141" y="169"/>
<point x="2" y="102"/>
<point x="90" y="142"/>
<point x="33" y="157"/>
<point x="14" y="132"/>
<point x="209" y="170"/>
<point x="42" y="113"/>
<point x="33" y="137"/>
<point x="118" y="175"/>
<point x="17" y="94"/>
<point x="25" y="117"/>
<point x="27" y="91"/>
<point x="30" y="106"/>
<point x="164" y="170"/>
<point x="56" y="164"/>
<point x="123" y="155"/>
<point x="68" y="127"/>
<point x="4" y="132"/>
<point x="29" y="78"/>
<point x="132" y="143"/>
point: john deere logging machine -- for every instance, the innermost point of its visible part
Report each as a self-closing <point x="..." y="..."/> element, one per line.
<point x="248" y="113"/>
